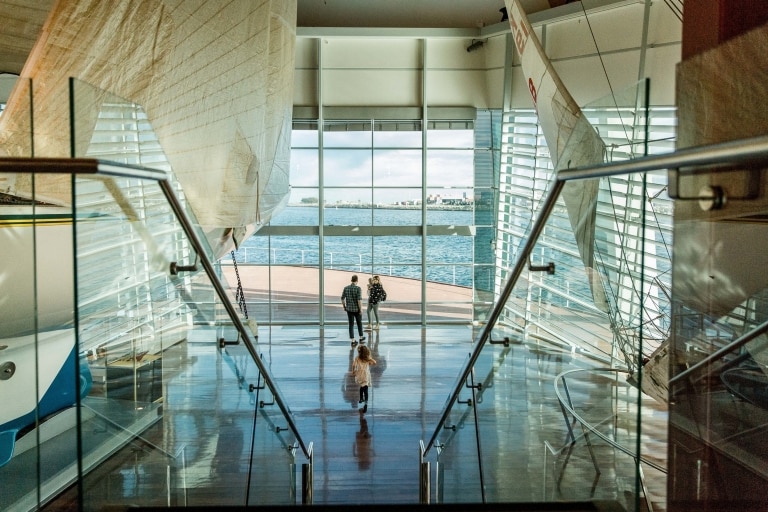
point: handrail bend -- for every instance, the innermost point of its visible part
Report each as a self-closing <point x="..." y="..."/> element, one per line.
<point x="750" y="150"/>
<point x="564" y="403"/>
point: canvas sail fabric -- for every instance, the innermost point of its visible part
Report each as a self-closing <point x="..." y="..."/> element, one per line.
<point x="571" y="139"/>
<point x="215" y="80"/>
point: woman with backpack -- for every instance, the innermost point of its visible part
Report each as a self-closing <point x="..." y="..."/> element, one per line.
<point x="376" y="294"/>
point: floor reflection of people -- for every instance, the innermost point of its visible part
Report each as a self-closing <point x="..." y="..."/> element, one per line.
<point x="229" y="447"/>
<point x="362" y="447"/>
<point x="381" y="361"/>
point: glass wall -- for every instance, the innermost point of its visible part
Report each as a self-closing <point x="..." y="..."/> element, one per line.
<point x="369" y="198"/>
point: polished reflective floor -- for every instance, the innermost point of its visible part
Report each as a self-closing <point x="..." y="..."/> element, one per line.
<point x="372" y="456"/>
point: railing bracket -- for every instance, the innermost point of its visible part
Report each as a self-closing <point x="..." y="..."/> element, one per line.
<point x="549" y="268"/>
<point x="504" y="342"/>
<point x="176" y="268"/>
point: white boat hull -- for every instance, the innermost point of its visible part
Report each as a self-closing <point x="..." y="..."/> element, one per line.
<point x="41" y="375"/>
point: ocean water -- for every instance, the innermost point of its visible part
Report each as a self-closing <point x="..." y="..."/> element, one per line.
<point x="449" y="258"/>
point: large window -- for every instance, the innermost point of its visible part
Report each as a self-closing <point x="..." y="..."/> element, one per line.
<point x="368" y="198"/>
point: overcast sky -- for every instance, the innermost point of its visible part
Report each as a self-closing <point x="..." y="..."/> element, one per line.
<point x="355" y="173"/>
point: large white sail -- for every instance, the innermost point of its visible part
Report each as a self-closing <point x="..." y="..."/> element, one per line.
<point x="214" y="78"/>
<point x="571" y="139"/>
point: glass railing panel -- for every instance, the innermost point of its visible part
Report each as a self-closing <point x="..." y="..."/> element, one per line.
<point x="457" y="476"/>
<point x="560" y="327"/>
<point x="559" y="304"/>
<point x="177" y="396"/>
<point x="556" y="318"/>
<point x="273" y="479"/>
<point x="39" y="364"/>
<point x="718" y="355"/>
<point x="586" y="297"/>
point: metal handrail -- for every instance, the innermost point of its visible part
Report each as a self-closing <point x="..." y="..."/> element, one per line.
<point x="91" y="166"/>
<point x="484" y="335"/>
<point x="231" y="311"/>
<point x="685" y="161"/>
<point x="566" y="405"/>
<point x="753" y="149"/>
<point x="719" y="354"/>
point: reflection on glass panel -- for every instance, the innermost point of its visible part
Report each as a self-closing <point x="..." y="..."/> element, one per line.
<point x="348" y="207"/>
<point x="394" y="134"/>
<point x="305" y="168"/>
<point x="388" y="214"/>
<point x="718" y="356"/>
<point x="347" y="134"/>
<point x="484" y="207"/>
<point x="458" y="134"/>
<point x="456" y="443"/>
<point x="551" y="321"/>
<point x="484" y="278"/>
<point x="112" y="128"/>
<point x="347" y="167"/>
<point x="450" y="168"/>
<point x="397" y="167"/>
<point x="567" y="297"/>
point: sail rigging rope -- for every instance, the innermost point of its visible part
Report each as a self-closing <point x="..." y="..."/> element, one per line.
<point x="239" y="294"/>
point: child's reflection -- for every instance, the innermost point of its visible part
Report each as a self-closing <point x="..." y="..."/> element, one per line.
<point x="362" y="447"/>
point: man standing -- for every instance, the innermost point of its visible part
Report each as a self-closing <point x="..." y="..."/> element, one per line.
<point x="352" y="302"/>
